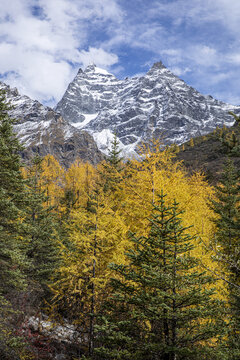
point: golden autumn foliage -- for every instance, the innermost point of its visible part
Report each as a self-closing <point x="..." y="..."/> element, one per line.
<point x="158" y="171"/>
<point x="96" y="236"/>
<point x="105" y="204"/>
<point x="79" y="182"/>
<point x="100" y="206"/>
<point x="191" y="142"/>
<point x="52" y="179"/>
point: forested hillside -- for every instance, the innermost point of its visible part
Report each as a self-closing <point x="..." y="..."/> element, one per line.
<point x="209" y="153"/>
<point x="124" y="260"/>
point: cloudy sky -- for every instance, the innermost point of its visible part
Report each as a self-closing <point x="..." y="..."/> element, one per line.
<point x="44" y="42"/>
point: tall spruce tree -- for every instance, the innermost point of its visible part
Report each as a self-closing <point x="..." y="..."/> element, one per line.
<point x="162" y="306"/>
<point x="226" y="243"/>
<point x="41" y="228"/>
<point x="114" y="156"/>
<point x="12" y="254"/>
<point x="11" y="201"/>
<point x="110" y="170"/>
<point x="226" y="246"/>
<point x="227" y="222"/>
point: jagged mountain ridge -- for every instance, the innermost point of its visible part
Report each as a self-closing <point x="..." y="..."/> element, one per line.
<point x="43" y="131"/>
<point x="154" y="105"/>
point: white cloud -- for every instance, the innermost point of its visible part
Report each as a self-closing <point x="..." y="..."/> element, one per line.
<point x="97" y="56"/>
<point x="194" y="55"/>
<point x="39" y="53"/>
<point x="180" y="71"/>
<point x="197" y="12"/>
<point x="134" y="34"/>
<point x="43" y="42"/>
<point x="203" y="55"/>
<point x="234" y="58"/>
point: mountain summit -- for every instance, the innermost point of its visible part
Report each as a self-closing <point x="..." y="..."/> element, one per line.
<point x="158" y="104"/>
<point x="43" y="131"/>
<point x="96" y="105"/>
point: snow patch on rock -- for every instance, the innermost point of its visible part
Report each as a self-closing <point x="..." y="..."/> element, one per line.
<point x="158" y="105"/>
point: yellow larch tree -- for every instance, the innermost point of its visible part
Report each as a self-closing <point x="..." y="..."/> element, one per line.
<point x="143" y="180"/>
<point x="97" y="235"/>
<point x="159" y="171"/>
<point x="107" y="202"/>
<point x="52" y="180"/>
<point x="79" y="181"/>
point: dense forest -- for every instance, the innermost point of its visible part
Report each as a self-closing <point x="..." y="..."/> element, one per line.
<point x="137" y="259"/>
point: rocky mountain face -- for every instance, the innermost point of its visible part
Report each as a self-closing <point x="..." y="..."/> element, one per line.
<point x="96" y="105"/>
<point x="43" y="131"/>
<point x="158" y="104"/>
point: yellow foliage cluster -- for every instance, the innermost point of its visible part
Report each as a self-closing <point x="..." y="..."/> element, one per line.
<point x="107" y="203"/>
<point x="52" y="178"/>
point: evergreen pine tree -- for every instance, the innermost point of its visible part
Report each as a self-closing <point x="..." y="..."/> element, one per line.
<point x="41" y="228"/>
<point x="226" y="241"/>
<point x="226" y="246"/>
<point x="226" y="206"/>
<point x="114" y="156"/>
<point x="12" y="255"/>
<point x="109" y="171"/>
<point x="11" y="201"/>
<point x="162" y="306"/>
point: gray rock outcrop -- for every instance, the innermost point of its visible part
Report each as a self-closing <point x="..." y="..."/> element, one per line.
<point x="44" y="131"/>
<point x="158" y="104"/>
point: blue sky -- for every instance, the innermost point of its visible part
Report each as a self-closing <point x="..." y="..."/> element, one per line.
<point x="44" y="42"/>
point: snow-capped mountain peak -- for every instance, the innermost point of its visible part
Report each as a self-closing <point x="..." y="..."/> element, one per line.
<point x="155" y="105"/>
<point x="92" y="68"/>
<point x="43" y="131"/>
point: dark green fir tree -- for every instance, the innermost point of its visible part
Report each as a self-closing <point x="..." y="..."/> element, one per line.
<point x="112" y="168"/>
<point x="114" y="156"/>
<point x="41" y="229"/>
<point x="12" y="190"/>
<point x="227" y="207"/>
<point x="226" y="246"/>
<point x="226" y="243"/>
<point x="162" y="305"/>
<point x="12" y="255"/>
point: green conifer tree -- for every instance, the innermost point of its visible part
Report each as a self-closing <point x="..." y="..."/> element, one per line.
<point x="114" y="156"/>
<point x="226" y="241"/>
<point x="162" y="306"/>
<point x="226" y="246"/>
<point x="12" y="254"/>
<point x="109" y="173"/>
<point x="226" y="206"/>
<point x="41" y="225"/>
<point x="11" y="201"/>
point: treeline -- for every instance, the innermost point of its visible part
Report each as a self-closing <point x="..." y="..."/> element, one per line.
<point x="140" y="257"/>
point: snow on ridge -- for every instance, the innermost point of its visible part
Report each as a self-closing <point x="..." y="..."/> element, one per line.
<point x="138" y="108"/>
<point x="104" y="140"/>
<point x="93" y="69"/>
<point x="88" y="118"/>
<point x="101" y="71"/>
